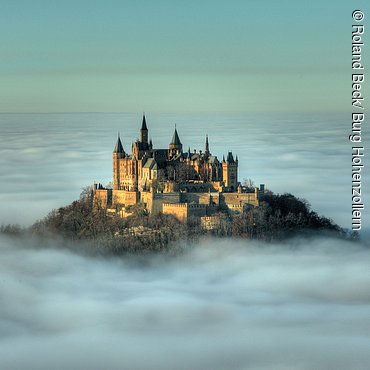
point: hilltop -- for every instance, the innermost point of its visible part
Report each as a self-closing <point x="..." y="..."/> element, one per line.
<point x="278" y="217"/>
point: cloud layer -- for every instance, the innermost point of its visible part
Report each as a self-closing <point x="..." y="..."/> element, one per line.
<point x="222" y="305"/>
<point x="45" y="159"/>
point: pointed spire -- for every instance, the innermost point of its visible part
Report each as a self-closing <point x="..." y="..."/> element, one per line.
<point x="207" y="145"/>
<point x="230" y="158"/>
<point x="144" y="131"/>
<point x="223" y="158"/>
<point x="119" y="147"/>
<point x="188" y="154"/>
<point x="143" y="124"/>
<point x="175" y="138"/>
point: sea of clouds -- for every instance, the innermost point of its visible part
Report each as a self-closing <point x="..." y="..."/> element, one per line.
<point x="46" y="159"/>
<point x="221" y="305"/>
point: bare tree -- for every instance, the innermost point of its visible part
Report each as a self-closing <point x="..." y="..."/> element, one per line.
<point x="248" y="183"/>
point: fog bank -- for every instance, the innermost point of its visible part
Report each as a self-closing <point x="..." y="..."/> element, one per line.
<point x="46" y="159"/>
<point x="223" y="305"/>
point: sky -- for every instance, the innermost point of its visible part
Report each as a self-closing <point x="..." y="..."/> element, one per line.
<point x="169" y="55"/>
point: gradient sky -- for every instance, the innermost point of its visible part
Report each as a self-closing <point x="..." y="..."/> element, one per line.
<point x="169" y="55"/>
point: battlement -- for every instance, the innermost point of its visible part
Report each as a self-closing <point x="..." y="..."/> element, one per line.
<point x="176" y="205"/>
<point x="198" y="206"/>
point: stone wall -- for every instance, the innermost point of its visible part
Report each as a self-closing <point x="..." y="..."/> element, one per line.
<point x="197" y="210"/>
<point x="238" y="199"/>
<point x="182" y="211"/>
<point x="182" y="205"/>
<point x="201" y="198"/>
<point x="125" y="197"/>
<point x="161" y="198"/>
<point x="102" y="197"/>
<point x="179" y="210"/>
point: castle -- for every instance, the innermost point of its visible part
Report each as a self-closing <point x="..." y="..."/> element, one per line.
<point x="172" y="181"/>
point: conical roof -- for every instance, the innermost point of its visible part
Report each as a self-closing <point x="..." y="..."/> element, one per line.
<point x="175" y="138"/>
<point x="119" y="147"/>
<point x="143" y="124"/>
<point x="230" y="158"/>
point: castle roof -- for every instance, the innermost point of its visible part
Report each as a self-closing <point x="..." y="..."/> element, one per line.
<point x="207" y="144"/>
<point x="160" y="154"/>
<point x="150" y="163"/>
<point x="177" y="157"/>
<point x="212" y="159"/>
<point x="143" y="124"/>
<point x="175" y="138"/>
<point x="119" y="147"/>
<point x="230" y="158"/>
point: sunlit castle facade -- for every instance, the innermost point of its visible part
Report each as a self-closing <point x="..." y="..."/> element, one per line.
<point x="174" y="181"/>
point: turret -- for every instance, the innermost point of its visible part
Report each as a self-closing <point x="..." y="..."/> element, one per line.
<point x="175" y="144"/>
<point x="188" y="155"/>
<point x="230" y="158"/>
<point x="230" y="172"/>
<point x="144" y="131"/>
<point x="118" y="154"/>
<point x="118" y="149"/>
<point x="206" y="151"/>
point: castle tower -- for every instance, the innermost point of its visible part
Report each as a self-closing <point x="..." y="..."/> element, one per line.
<point x="175" y="144"/>
<point x="206" y="151"/>
<point x="144" y="131"/>
<point x="118" y="154"/>
<point x="230" y="172"/>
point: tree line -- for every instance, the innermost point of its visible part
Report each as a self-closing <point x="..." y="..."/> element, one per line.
<point x="278" y="217"/>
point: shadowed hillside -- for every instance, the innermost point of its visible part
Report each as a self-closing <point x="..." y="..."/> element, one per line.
<point x="279" y="217"/>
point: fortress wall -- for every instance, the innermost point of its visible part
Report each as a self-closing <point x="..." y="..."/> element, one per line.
<point x="179" y="210"/>
<point x="155" y="205"/>
<point x="198" y="187"/>
<point x="200" y="198"/>
<point x="197" y="210"/>
<point x="125" y="197"/>
<point x="101" y="197"/>
<point x="168" y="197"/>
<point x="239" y="208"/>
<point x="235" y="199"/>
